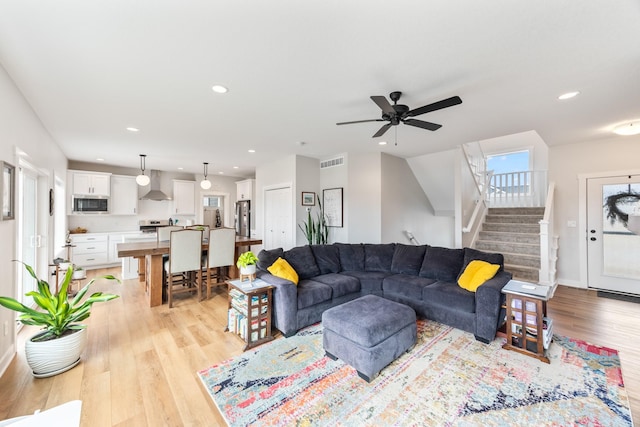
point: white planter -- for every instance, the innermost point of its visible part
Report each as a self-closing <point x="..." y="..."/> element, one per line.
<point x="48" y="358"/>
<point x="248" y="270"/>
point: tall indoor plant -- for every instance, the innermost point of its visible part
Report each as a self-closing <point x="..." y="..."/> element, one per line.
<point x="316" y="229"/>
<point x="58" y="346"/>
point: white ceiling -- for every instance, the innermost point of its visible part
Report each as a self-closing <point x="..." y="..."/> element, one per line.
<point x="295" y="68"/>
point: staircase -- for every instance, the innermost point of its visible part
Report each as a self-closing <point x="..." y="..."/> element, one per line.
<point x="515" y="233"/>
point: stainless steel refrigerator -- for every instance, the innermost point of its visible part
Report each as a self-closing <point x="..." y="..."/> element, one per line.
<point x="243" y="218"/>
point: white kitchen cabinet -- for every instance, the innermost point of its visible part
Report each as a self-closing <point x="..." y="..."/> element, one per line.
<point x="244" y="189"/>
<point x="91" y="249"/>
<point x="114" y="239"/>
<point x="184" y="197"/>
<point x="124" y="195"/>
<point x="91" y="183"/>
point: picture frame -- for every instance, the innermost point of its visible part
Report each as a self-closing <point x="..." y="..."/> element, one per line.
<point x="332" y="204"/>
<point x="308" y="198"/>
<point x="8" y="186"/>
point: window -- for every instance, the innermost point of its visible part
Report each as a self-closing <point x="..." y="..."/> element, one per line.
<point x="508" y="162"/>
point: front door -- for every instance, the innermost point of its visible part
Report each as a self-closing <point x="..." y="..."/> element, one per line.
<point x="613" y="250"/>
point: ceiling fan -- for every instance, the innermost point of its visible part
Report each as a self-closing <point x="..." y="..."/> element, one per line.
<point x="396" y="113"/>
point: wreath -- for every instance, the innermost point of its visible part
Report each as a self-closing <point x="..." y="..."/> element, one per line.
<point x="611" y="206"/>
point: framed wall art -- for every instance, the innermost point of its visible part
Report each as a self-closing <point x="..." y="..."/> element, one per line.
<point x="308" y="198"/>
<point x="332" y="204"/>
<point x="8" y="186"/>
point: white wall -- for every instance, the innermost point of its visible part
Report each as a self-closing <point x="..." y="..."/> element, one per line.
<point x="337" y="177"/>
<point x="435" y="173"/>
<point x="406" y="207"/>
<point x="307" y="179"/>
<point x="616" y="154"/>
<point x="363" y="199"/>
<point x="21" y="128"/>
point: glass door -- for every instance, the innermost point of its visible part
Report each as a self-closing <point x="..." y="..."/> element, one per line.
<point x="613" y="249"/>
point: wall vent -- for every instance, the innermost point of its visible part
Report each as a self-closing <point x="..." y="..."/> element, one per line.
<point x="338" y="161"/>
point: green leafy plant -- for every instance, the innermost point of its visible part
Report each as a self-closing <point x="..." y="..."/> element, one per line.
<point x="316" y="229"/>
<point x="247" y="258"/>
<point x="58" y="315"/>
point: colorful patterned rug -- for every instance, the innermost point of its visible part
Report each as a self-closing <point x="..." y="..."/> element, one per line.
<point x="447" y="379"/>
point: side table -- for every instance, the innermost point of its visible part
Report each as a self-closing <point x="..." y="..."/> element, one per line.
<point x="529" y="330"/>
<point x="249" y="316"/>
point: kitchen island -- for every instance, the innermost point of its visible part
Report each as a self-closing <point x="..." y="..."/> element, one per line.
<point x="152" y="252"/>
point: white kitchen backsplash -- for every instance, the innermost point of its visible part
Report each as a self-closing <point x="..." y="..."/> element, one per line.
<point x="148" y="209"/>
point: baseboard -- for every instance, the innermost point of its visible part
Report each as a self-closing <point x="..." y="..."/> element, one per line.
<point x="6" y="359"/>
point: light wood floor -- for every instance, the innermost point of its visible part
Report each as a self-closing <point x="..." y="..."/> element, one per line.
<point x="139" y="368"/>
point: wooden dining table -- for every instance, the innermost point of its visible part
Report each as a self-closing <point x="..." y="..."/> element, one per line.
<point x="150" y="264"/>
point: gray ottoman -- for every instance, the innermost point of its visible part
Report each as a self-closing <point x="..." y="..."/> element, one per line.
<point x="368" y="333"/>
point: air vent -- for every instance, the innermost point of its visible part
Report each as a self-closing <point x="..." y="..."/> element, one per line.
<point x="338" y="161"/>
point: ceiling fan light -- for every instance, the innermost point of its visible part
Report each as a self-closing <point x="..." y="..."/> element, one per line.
<point x="628" y="129"/>
<point x="143" y="180"/>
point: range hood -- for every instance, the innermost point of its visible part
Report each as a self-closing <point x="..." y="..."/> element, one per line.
<point x="155" y="193"/>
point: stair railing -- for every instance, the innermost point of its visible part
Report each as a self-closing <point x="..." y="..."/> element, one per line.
<point x="476" y="166"/>
<point x="517" y="189"/>
<point x="548" y="243"/>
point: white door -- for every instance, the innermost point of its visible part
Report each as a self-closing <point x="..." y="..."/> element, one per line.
<point x="28" y="238"/>
<point x="278" y="219"/>
<point x="613" y="250"/>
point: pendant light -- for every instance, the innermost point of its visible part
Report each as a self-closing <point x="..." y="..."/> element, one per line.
<point x="205" y="184"/>
<point x="142" y="179"/>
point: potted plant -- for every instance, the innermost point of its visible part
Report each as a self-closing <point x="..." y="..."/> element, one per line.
<point x="316" y="230"/>
<point x="247" y="263"/>
<point x="58" y="346"/>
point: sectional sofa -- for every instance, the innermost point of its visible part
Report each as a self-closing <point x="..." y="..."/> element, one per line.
<point x="422" y="277"/>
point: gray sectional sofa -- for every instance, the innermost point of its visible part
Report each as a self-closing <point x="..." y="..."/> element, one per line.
<point x="422" y="277"/>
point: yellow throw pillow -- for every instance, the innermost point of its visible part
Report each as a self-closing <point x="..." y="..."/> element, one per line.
<point x="281" y="268"/>
<point x="476" y="273"/>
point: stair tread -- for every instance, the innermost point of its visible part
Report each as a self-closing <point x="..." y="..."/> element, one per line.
<point x="520" y="267"/>
<point x="511" y="253"/>
<point x="500" y="242"/>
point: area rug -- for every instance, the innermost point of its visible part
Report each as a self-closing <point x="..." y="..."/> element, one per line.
<point x="447" y="379"/>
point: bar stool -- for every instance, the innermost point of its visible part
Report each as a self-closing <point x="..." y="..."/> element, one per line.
<point x="183" y="269"/>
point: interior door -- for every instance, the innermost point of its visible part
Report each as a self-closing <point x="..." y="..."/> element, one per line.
<point x="29" y="239"/>
<point x="613" y="250"/>
<point x="278" y="219"/>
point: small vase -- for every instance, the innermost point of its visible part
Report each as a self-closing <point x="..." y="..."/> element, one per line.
<point x="52" y="357"/>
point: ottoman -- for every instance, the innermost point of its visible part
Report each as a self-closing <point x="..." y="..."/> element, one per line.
<point x="368" y="333"/>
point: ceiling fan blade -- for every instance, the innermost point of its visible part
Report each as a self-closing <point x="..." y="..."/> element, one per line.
<point x="449" y="102"/>
<point x="383" y="104"/>
<point x="360" y="121"/>
<point x="382" y="130"/>
<point x="422" y="124"/>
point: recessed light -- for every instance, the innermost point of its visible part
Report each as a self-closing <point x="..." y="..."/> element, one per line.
<point x="628" y="129"/>
<point x="382" y="143"/>
<point x="251" y="151"/>
<point x="219" y="89"/>
<point x="236" y="167"/>
<point x="132" y="129"/>
<point x="221" y="173"/>
<point x="568" y="95"/>
<point x="180" y="168"/>
<point x="100" y="159"/>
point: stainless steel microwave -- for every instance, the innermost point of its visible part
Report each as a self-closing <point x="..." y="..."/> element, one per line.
<point x="93" y="205"/>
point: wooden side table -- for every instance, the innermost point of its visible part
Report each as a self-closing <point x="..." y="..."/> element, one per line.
<point x="529" y="331"/>
<point x="249" y="315"/>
